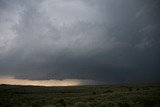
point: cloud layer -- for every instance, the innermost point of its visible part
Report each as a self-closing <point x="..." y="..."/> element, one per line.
<point x="51" y="82"/>
<point x="108" y="40"/>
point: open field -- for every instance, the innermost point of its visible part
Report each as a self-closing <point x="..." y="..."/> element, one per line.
<point x="135" y="95"/>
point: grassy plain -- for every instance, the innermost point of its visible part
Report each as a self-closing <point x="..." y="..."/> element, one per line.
<point x="129" y="95"/>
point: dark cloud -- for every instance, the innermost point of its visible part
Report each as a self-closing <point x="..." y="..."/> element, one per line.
<point x="110" y="41"/>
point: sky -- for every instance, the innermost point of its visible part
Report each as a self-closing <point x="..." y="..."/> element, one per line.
<point x="79" y="42"/>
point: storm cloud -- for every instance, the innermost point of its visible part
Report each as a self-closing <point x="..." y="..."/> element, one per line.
<point x="112" y="41"/>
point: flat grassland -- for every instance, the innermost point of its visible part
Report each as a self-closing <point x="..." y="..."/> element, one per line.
<point x="129" y="95"/>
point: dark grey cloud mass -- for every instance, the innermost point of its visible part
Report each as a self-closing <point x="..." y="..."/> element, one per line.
<point x="113" y="41"/>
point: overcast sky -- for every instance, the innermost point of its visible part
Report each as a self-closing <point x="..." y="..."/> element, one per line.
<point x="111" y="41"/>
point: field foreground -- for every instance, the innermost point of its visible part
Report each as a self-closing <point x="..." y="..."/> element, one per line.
<point x="139" y="95"/>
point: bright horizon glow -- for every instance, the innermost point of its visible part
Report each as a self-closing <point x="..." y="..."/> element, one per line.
<point x="66" y="82"/>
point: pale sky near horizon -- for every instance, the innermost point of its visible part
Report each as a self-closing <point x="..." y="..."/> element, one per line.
<point x="89" y="41"/>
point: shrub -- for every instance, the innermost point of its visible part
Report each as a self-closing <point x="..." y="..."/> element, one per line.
<point x="80" y="104"/>
<point x="123" y="104"/>
<point x="108" y="91"/>
<point x="107" y="104"/>
<point x="61" y="103"/>
<point x="91" y="104"/>
<point x="130" y="89"/>
<point x="94" y="93"/>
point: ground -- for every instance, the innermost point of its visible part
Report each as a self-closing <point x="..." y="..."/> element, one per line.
<point x="126" y="95"/>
